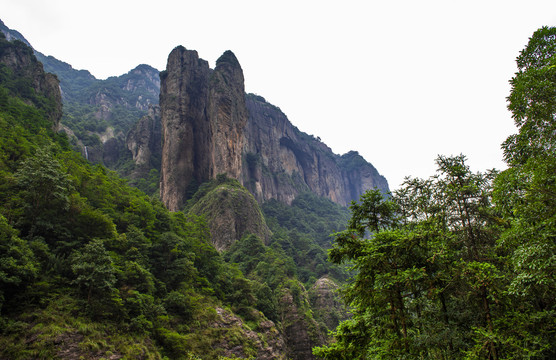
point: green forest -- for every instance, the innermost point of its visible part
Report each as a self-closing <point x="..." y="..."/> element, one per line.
<point x="460" y="265"/>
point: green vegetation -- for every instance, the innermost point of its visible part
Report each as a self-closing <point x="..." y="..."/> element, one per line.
<point x="461" y="265"/>
<point x="302" y="231"/>
<point x="96" y="265"/>
<point x="457" y="266"/>
<point x="91" y="263"/>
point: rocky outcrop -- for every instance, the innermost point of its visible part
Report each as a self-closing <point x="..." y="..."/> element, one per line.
<point x="144" y="141"/>
<point x="300" y="329"/>
<point x="283" y="161"/>
<point x="203" y="114"/>
<point x="22" y="64"/>
<point x="328" y="308"/>
<point x="267" y="341"/>
<point x="185" y="126"/>
<point x="231" y="212"/>
<point x="211" y="127"/>
<point x="227" y="115"/>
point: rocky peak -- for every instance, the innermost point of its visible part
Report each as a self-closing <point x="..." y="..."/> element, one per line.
<point x="228" y="115"/>
<point x="210" y="127"/>
<point x="22" y="64"/>
<point x="186" y="131"/>
<point x="203" y="115"/>
<point x="144" y="81"/>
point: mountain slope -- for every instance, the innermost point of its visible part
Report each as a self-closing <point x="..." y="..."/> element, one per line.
<point x="91" y="267"/>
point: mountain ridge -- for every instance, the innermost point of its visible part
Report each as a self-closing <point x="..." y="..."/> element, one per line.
<point x="279" y="166"/>
<point x="210" y="127"/>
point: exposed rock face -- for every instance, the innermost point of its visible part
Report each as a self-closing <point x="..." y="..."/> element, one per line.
<point x="145" y="142"/>
<point x="283" y="161"/>
<point x="227" y="115"/>
<point x="203" y="114"/>
<point x="23" y="64"/>
<point x="267" y="341"/>
<point x="136" y="90"/>
<point x="326" y="303"/>
<point x="143" y="78"/>
<point x="211" y="127"/>
<point x="185" y="125"/>
<point x="301" y="332"/>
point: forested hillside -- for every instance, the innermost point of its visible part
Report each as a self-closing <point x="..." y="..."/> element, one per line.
<point x="91" y="267"/>
<point x="462" y="265"/>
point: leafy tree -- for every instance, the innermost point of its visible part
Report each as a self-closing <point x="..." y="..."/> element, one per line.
<point x="532" y="100"/>
<point x="173" y="262"/>
<point x="45" y="194"/>
<point x="94" y="270"/>
<point x="525" y="194"/>
<point x="18" y="266"/>
<point x="427" y="273"/>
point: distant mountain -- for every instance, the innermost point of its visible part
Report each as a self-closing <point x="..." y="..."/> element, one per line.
<point x="98" y="114"/>
<point x="72" y="81"/>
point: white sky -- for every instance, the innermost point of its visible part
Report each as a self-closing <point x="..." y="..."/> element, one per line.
<point x="398" y="81"/>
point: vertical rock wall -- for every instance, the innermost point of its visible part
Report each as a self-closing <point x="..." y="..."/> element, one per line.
<point x="211" y="127"/>
<point x="228" y="116"/>
<point x="185" y="126"/>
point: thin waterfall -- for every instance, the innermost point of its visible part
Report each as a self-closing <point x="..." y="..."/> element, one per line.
<point x="86" y="153"/>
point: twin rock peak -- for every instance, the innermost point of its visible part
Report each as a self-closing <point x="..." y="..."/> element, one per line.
<point x="211" y="127"/>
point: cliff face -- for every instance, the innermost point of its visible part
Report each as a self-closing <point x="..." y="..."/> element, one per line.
<point x="283" y="161"/>
<point x="211" y="127"/>
<point x="21" y="63"/>
<point x="185" y="127"/>
<point x="144" y="141"/>
<point x="227" y="115"/>
<point x="203" y="114"/>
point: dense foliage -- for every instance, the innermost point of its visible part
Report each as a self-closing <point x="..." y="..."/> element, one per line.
<point x="92" y="263"/>
<point x="302" y="231"/>
<point x="457" y="266"/>
<point x="84" y="254"/>
<point x="462" y="265"/>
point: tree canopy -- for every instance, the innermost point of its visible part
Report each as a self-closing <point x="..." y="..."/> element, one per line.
<point x="462" y="265"/>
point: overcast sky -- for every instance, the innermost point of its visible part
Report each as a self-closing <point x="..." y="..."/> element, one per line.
<point x="399" y="81"/>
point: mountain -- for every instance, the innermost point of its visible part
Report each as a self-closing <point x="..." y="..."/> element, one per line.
<point x="23" y="76"/>
<point x="281" y="161"/>
<point x="210" y="127"/>
<point x="93" y="268"/>
<point x="72" y="81"/>
<point x="221" y="130"/>
<point x="98" y="114"/>
<point x="242" y="271"/>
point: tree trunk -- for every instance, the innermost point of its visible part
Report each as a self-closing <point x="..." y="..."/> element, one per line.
<point x="488" y="317"/>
